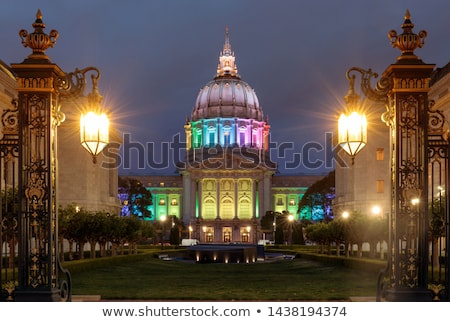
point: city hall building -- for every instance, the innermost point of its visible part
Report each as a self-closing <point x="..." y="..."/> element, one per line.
<point x="227" y="181"/>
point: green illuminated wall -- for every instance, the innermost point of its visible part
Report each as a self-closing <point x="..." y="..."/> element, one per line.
<point x="166" y="204"/>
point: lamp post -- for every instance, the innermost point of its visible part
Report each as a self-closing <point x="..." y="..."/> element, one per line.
<point x="42" y="87"/>
<point x="163" y="220"/>
<point x="274" y="227"/>
<point x="204" y="232"/>
<point x="190" y="231"/>
<point x="352" y="128"/>
<point x="94" y="124"/>
<point x="248" y="233"/>
<point x="403" y="88"/>
<point x="291" y="222"/>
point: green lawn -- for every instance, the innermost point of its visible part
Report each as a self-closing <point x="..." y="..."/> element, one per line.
<point x="150" y="278"/>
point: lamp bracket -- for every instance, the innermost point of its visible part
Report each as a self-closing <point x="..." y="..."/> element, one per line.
<point x="377" y="93"/>
<point x="72" y="85"/>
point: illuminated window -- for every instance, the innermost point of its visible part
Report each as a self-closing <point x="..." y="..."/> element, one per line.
<point x="226" y="139"/>
<point x="209" y="210"/>
<point x="292" y="202"/>
<point x="380" y="186"/>
<point x="209" y="237"/>
<point x="242" y="138"/>
<point x="380" y="154"/>
<point x="227" y="208"/>
<point x="226" y="237"/>
<point x="198" y="138"/>
<point x="174" y="202"/>
<point x="162" y="201"/>
<point x="161" y="184"/>
<point x="211" y="138"/>
<point x="244" y="208"/>
<point x="245" y="237"/>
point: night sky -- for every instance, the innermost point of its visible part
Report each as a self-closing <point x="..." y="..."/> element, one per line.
<point x="155" y="55"/>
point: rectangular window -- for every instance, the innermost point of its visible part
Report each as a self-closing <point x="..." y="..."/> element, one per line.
<point x="226" y="139"/>
<point x="380" y="186"/>
<point x="242" y="138"/>
<point x="380" y="154"/>
<point x="198" y="138"/>
<point x="211" y="138"/>
<point x="255" y="140"/>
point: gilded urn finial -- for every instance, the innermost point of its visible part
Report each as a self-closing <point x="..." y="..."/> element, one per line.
<point x="38" y="40"/>
<point x="408" y="41"/>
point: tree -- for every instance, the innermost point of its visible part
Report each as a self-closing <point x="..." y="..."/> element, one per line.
<point x="316" y="203"/>
<point x="278" y="222"/>
<point x="78" y="230"/>
<point x="357" y="230"/>
<point x="319" y="233"/>
<point x="267" y="222"/>
<point x="64" y="228"/>
<point x="376" y="232"/>
<point x="132" y="233"/>
<point x="337" y="234"/>
<point x="175" y="230"/>
<point x="297" y="233"/>
<point x="135" y="198"/>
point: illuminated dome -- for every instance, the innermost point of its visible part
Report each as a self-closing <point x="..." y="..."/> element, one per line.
<point x="227" y="95"/>
<point x="227" y="111"/>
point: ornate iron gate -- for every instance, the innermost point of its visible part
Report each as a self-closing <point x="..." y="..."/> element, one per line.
<point x="438" y="204"/>
<point x="9" y="147"/>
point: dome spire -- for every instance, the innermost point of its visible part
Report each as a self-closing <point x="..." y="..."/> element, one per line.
<point x="227" y="46"/>
<point x="227" y="66"/>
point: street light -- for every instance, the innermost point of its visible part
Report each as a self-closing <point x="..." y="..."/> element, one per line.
<point x="376" y="210"/>
<point x="42" y="87"/>
<point x="204" y="232"/>
<point x="352" y="128"/>
<point x="94" y="124"/>
<point x="94" y="133"/>
<point x="274" y="227"/>
<point x="403" y="88"/>
<point x="291" y="222"/>
<point x="190" y="231"/>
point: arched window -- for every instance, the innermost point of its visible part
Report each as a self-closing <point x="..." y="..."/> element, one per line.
<point x="227" y="207"/>
<point x="209" y="208"/>
<point x="244" y="208"/>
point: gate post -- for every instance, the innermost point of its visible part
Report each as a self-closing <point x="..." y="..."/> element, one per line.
<point x="39" y="116"/>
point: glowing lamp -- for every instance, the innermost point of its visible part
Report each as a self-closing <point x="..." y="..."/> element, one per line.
<point x="94" y="133"/>
<point x="352" y="133"/>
